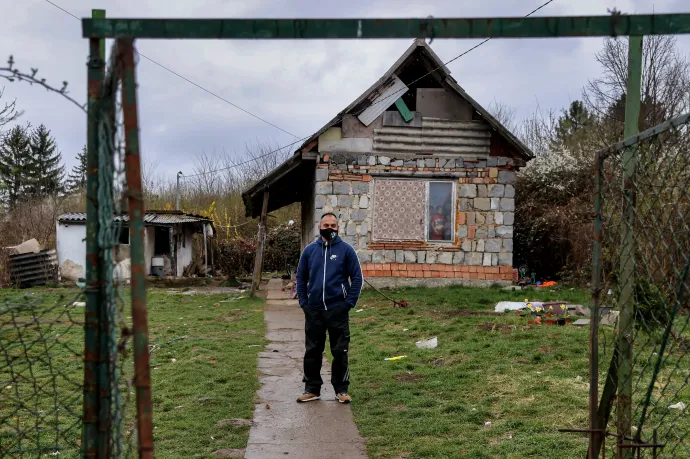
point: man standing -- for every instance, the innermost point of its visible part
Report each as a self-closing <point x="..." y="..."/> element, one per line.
<point x="329" y="281"/>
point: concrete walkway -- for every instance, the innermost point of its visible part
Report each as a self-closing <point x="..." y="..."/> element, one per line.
<point x="322" y="429"/>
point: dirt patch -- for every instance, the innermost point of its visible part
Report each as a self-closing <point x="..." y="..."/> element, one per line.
<point x="546" y="349"/>
<point x="438" y="362"/>
<point x="466" y="313"/>
<point x="234" y="422"/>
<point x="408" y="378"/>
<point x="229" y="452"/>
<point x="490" y="327"/>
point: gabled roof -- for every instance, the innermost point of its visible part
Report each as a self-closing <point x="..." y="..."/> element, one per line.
<point x="421" y="46"/>
<point x="299" y="168"/>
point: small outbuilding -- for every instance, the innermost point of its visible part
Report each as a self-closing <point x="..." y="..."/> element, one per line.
<point x="421" y="176"/>
<point x="167" y="236"/>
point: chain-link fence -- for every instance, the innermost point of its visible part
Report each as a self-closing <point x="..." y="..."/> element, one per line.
<point x="641" y="263"/>
<point x="41" y="373"/>
<point x="115" y="259"/>
<point x="68" y="384"/>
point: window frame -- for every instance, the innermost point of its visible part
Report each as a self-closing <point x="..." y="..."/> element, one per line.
<point x="454" y="201"/>
<point x="427" y="182"/>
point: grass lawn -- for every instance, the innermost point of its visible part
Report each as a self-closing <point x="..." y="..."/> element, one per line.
<point x="526" y="381"/>
<point x="203" y="358"/>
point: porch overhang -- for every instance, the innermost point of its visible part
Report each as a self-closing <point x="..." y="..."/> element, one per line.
<point x="288" y="183"/>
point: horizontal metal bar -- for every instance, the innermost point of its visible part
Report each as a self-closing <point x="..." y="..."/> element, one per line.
<point x="515" y="27"/>
<point x="644" y="135"/>
<point x="641" y="445"/>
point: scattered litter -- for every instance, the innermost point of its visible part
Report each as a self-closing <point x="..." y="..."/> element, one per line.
<point x="430" y="343"/>
<point x="509" y="436"/>
<point x="359" y="310"/>
<point x="487" y="423"/>
<point x="581" y="322"/>
<point x="268" y="407"/>
<point x="503" y="306"/>
<point x="399" y="357"/>
<point x="215" y="305"/>
<point x="678" y="406"/>
<point x="254" y="345"/>
<point x="405" y="329"/>
<point x="79" y="304"/>
<point x="539" y="372"/>
<point x="474" y="409"/>
<point x="8" y="387"/>
<point x="609" y="319"/>
<point x="610" y="292"/>
<point x="548" y="284"/>
<point x="173" y="360"/>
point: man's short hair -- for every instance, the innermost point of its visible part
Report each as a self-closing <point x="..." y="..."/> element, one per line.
<point x="327" y="214"/>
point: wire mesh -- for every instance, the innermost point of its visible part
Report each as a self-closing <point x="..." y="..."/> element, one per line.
<point x="41" y="373"/>
<point x="113" y="243"/>
<point x="644" y="304"/>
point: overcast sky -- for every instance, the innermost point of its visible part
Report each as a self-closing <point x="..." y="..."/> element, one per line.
<point x="298" y="86"/>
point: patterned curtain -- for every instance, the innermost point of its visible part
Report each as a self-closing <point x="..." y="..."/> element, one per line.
<point x="398" y="210"/>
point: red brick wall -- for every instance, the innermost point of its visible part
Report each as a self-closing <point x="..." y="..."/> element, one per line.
<point x="417" y="270"/>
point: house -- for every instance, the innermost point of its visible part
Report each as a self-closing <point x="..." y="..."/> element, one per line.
<point x="421" y="176"/>
<point x="167" y="235"/>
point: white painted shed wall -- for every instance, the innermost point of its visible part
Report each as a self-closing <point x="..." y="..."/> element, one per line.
<point x="71" y="243"/>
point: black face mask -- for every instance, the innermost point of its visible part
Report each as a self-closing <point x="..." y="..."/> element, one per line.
<point x="328" y="233"/>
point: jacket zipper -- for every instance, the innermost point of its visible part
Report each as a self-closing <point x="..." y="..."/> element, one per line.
<point x="344" y="291"/>
<point x="323" y="291"/>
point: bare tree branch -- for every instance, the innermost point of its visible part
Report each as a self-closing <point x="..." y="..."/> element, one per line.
<point x="12" y="74"/>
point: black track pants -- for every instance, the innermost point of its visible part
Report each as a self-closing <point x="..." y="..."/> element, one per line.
<point x="336" y="322"/>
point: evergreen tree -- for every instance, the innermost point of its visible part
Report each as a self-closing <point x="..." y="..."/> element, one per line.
<point x="45" y="170"/>
<point x="15" y="153"/>
<point x="77" y="178"/>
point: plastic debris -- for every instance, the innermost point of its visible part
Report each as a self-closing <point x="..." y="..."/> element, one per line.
<point x="399" y="357"/>
<point x="487" y="423"/>
<point x="430" y="343"/>
<point x="503" y="306"/>
<point x="79" y="304"/>
<point x="405" y="329"/>
<point x="359" y="310"/>
<point x="678" y="406"/>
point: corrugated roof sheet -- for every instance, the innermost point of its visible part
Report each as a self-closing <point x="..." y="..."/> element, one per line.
<point x="151" y="217"/>
<point x="466" y="138"/>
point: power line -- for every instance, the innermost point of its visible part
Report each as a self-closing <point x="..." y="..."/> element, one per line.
<point x="190" y="81"/>
<point x="376" y="103"/>
<point x="248" y="161"/>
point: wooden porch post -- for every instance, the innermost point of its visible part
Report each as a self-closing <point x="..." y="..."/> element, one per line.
<point x="259" y="259"/>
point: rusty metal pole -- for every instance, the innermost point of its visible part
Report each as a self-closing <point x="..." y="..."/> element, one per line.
<point x="627" y="263"/>
<point x="92" y="357"/>
<point x="142" y="374"/>
<point x="595" y="437"/>
<point x="259" y="258"/>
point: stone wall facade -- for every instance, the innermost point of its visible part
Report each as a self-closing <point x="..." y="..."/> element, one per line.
<point x="484" y="215"/>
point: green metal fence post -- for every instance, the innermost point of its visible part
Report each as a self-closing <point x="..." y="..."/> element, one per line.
<point x="92" y="355"/>
<point x="142" y="374"/>
<point x="595" y="437"/>
<point x="627" y="262"/>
